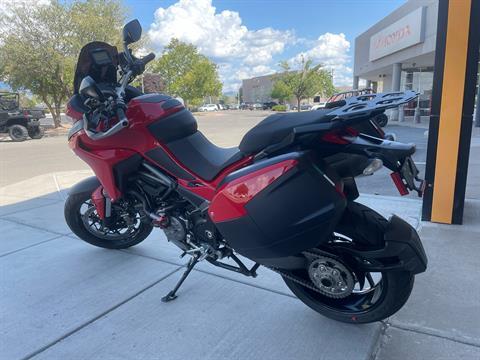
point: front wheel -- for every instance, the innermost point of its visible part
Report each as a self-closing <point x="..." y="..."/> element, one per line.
<point x="338" y="289"/>
<point x="125" y="228"/>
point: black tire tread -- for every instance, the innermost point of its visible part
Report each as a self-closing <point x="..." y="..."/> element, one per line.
<point x="20" y="127"/>
<point x="75" y="223"/>
<point x="36" y="133"/>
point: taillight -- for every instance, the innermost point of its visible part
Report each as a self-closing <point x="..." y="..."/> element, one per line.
<point x="229" y="202"/>
<point x="341" y="136"/>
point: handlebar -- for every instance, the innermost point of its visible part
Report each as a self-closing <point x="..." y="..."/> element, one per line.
<point x="146" y="59"/>
<point x="121" y="116"/>
<point x="120" y="91"/>
<point x="122" y="123"/>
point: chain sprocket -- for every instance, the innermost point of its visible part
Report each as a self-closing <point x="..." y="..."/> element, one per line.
<point x="317" y="257"/>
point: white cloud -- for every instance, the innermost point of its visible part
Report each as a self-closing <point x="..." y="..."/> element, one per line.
<point x="6" y="5"/>
<point x="331" y="50"/>
<point x="221" y="36"/>
<point x="239" y="51"/>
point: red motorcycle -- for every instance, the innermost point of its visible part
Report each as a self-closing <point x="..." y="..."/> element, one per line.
<point x="284" y="198"/>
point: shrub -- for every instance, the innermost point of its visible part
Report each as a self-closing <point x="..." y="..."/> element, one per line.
<point x="279" y="108"/>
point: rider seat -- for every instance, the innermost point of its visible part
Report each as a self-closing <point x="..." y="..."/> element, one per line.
<point x="202" y="157"/>
<point x="274" y="128"/>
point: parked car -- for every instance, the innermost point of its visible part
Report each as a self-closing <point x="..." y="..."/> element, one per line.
<point x="234" y="106"/>
<point x="269" y="105"/>
<point x="317" y="106"/>
<point x="305" y="107"/>
<point x="208" y="107"/>
<point x="220" y="107"/>
<point x="19" y="123"/>
<point x="255" y="106"/>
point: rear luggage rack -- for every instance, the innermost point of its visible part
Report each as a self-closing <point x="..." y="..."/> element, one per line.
<point x="365" y="105"/>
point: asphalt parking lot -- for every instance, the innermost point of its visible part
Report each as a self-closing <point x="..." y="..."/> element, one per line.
<point x="21" y="161"/>
<point x="64" y="299"/>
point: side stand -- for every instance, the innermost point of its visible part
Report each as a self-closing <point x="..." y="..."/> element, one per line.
<point x="172" y="294"/>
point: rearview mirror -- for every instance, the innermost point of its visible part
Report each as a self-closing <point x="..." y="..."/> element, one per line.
<point x="132" y="32"/>
<point x="89" y="88"/>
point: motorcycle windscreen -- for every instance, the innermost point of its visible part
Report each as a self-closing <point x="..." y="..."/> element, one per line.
<point x="294" y="208"/>
<point x="98" y="60"/>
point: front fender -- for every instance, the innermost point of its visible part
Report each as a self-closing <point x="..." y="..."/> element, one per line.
<point x="87" y="185"/>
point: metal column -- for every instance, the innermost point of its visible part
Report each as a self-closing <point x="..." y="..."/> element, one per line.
<point x="397" y="71"/>
<point x="455" y="78"/>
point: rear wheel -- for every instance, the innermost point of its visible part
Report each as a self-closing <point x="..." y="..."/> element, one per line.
<point x="36" y="132"/>
<point x="124" y="230"/>
<point x="18" y="132"/>
<point x="335" y="286"/>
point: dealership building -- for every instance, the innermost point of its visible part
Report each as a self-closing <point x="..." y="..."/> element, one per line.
<point x="398" y="53"/>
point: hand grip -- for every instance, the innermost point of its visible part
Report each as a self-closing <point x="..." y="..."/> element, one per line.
<point x="146" y="59"/>
<point x="122" y="123"/>
<point x="122" y="119"/>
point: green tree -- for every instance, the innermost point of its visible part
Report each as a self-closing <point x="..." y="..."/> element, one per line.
<point x="186" y="73"/>
<point x="308" y="81"/>
<point x="39" y="44"/>
<point x="281" y="91"/>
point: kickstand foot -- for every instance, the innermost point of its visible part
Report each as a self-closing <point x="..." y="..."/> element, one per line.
<point x="169" y="297"/>
<point x="172" y="295"/>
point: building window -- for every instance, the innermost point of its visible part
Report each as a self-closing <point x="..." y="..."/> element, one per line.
<point x="419" y="80"/>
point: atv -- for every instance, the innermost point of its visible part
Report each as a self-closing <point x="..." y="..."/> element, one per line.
<point x="19" y="123"/>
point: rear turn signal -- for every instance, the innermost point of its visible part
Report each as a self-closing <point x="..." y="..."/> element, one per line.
<point x="375" y="165"/>
<point x="229" y="202"/>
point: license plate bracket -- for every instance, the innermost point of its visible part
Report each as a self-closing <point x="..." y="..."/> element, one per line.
<point x="407" y="178"/>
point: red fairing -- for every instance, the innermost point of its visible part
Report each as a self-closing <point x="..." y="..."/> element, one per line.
<point x="229" y="203"/>
<point x="99" y="201"/>
<point x="74" y="114"/>
<point x="102" y="155"/>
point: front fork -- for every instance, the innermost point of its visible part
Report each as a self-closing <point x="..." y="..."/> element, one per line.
<point x="103" y="204"/>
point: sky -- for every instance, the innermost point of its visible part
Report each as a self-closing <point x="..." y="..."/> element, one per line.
<point x="249" y="38"/>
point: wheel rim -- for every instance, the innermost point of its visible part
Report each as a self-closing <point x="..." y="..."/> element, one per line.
<point x="125" y="225"/>
<point x="362" y="299"/>
<point x="16" y="132"/>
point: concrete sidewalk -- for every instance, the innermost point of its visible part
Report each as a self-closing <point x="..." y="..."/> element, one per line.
<point x="64" y="299"/>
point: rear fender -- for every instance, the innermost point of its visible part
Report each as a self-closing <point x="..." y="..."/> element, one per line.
<point x="402" y="250"/>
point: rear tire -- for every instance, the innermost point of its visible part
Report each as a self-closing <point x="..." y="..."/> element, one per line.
<point x="36" y="133"/>
<point x="18" y="133"/>
<point x="77" y="225"/>
<point x="366" y="228"/>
